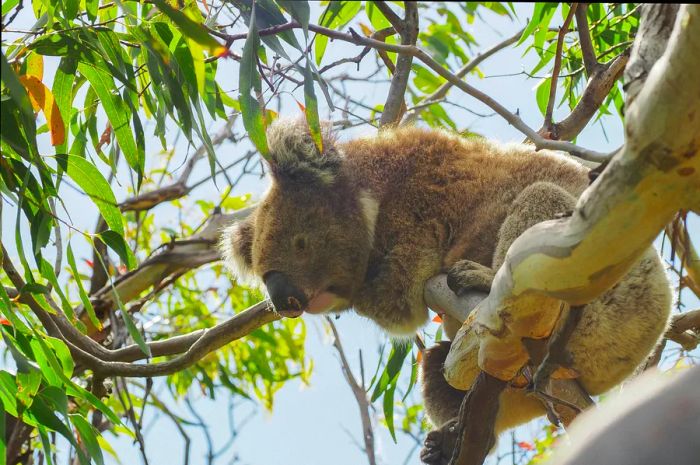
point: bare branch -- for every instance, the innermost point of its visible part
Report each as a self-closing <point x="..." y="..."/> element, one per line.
<point x="511" y="118"/>
<point x="597" y="89"/>
<point x="395" y="105"/>
<point x="178" y="189"/>
<point x="477" y="417"/>
<point x="176" y="257"/>
<point x="548" y="123"/>
<point x="589" y="56"/>
<point x="360" y="396"/>
<point x="441" y="91"/>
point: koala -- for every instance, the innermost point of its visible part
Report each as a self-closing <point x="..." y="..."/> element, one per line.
<point x="364" y="224"/>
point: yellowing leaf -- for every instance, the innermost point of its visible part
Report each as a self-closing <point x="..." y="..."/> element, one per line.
<point x="366" y="30"/>
<point x="35" y="65"/>
<point x="42" y="99"/>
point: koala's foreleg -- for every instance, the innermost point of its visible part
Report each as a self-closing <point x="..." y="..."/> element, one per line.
<point x="538" y="202"/>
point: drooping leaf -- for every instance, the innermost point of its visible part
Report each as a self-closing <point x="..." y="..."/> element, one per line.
<point x="91" y="181"/>
<point x="42" y="99"/>
<point x="63" y="94"/>
<point x="249" y="80"/>
<point x="311" y="108"/>
<point x="88" y="437"/>
<point x="188" y="27"/>
<point x="117" y="112"/>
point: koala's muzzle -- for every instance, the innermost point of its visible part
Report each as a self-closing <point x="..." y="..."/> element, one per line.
<point x="289" y="300"/>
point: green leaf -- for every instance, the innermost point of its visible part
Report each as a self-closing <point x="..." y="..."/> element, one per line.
<point x="299" y="10"/>
<point x="8" y="394"/>
<point x="335" y="16"/>
<point x="117" y="112"/>
<point x="7" y="6"/>
<point x="89" y="437"/>
<point x="27" y="386"/>
<point x="388" y="405"/>
<point x="47" y="272"/>
<point x="46" y="417"/>
<point x="116" y="242"/>
<point x="540" y="12"/>
<point x="63" y="93"/>
<point x="134" y="332"/>
<point x="63" y="354"/>
<point x="393" y="368"/>
<point x="46" y="444"/>
<point x="91" y="181"/>
<point x="21" y="99"/>
<point x="249" y="80"/>
<point x="87" y="304"/>
<point x="542" y="94"/>
<point x="311" y="108"/>
<point x="267" y="14"/>
<point x="188" y="27"/>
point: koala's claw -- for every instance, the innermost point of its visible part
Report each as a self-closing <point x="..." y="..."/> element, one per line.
<point x="438" y="445"/>
<point x="466" y="274"/>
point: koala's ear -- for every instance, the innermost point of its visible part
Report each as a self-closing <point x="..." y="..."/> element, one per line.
<point x="294" y="155"/>
<point x="236" y="247"/>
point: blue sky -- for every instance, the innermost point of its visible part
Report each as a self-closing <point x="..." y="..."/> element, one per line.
<point x="319" y="423"/>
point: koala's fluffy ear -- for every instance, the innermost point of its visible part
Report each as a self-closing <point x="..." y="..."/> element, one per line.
<point x="236" y="248"/>
<point x="294" y="155"/>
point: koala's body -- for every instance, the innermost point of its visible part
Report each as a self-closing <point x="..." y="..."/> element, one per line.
<point x="364" y="224"/>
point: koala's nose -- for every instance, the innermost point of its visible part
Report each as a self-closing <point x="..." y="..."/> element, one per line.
<point x="288" y="299"/>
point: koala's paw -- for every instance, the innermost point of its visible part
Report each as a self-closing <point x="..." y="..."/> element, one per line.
<point x="466" y="274"/>
<point x="439" y="443"/>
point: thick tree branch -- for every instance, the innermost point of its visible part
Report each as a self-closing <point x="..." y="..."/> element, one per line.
<point x="655" y="27"/>
<point x="656" y="173"/>
<point x="598" y="88"/>
<point x="175" y="258"/>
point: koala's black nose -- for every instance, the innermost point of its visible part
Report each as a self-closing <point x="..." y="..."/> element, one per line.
<point x="285" y="296"/>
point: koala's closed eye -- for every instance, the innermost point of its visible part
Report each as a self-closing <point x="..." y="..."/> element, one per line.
<point x="300" y="243"/>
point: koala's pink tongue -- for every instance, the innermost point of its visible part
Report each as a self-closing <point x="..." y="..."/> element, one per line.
<point x="321" y="302"/>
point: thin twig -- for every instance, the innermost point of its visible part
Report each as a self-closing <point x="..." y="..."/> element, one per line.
<point x="360" y="396"/>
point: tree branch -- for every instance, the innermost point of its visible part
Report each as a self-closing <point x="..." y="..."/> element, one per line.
<point x="477" y="417"/>
<point x="511" y="118"/>
<point x="597" y="89"/>
<point x="548" y="122"/>
<point x="178" y="189"/>
<point x="655" y="174"/>
<point x="360" y="396"/>
<point x="176" y="258"/>
<point x="395" y="105"/>
<point x="470" y="66"/>
<point x="590" y="61"/>
<point x="655" y="27"/>
<point x="684" y="249"/>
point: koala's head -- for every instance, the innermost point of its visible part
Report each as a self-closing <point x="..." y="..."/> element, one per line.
<point x="309" y="239"/>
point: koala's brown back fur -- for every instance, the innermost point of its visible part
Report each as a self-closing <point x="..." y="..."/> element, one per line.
<point x="442" y="198"/>
<point x="370" y="220"/>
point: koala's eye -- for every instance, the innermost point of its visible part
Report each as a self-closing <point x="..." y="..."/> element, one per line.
<point x="300" y="243"/>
